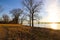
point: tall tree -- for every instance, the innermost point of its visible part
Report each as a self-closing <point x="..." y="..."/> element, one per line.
<point x="32" y="7"/>
<point x="16" y="13"/>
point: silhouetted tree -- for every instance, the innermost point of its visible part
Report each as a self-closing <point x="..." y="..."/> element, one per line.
<point x="23" y="18"/>
<point x="5" y="18"/>
<point x="37" y="18"/>
<point x="16" y="13"/>
<point x="33" y="8"/>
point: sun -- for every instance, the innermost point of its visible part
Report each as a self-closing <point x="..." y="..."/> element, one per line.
<point x="52" y="15"/>
<point x="53" y="25"/>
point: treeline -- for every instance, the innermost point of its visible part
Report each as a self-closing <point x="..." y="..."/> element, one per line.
<point x="29" y="14"/>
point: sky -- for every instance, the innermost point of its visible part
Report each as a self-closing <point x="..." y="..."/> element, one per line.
<point x="50" y="8"/>
<point x="8" y="5"/>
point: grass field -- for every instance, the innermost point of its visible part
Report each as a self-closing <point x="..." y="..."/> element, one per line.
<point x="22" y="32"/>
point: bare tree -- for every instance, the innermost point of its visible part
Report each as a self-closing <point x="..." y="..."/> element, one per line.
<point x="16" y="13"/>
<point x="5" y="18"/>
<point x="37" y="18"/>
<point x="23" y="18"/>
<point x="33" y="7"/>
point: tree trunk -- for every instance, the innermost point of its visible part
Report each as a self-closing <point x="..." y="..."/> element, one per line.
<point x="15" y="20"/>
<point x="32" y="20"/>
<point x="21" y="21"/>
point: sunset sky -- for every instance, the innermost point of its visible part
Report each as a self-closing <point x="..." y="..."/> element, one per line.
<point x="51" y="7"/>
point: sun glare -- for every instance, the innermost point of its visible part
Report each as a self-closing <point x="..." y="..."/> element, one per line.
<point x="53" y="26"/>
<point x="53" y="16"/>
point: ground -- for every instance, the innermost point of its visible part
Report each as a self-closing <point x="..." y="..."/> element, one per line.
<point x="22" y="32"/>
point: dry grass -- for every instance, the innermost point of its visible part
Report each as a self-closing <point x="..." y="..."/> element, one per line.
<point x="36" y="33"/>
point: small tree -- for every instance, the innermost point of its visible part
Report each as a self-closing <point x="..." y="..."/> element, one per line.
<point x="23" y="18"/>
<point x="5" y="18"/>
<point x="16" y="13"/>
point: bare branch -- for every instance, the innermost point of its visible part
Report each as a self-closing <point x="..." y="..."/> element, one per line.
<point x="16" y="13"/>
<point x="33" y="7"/>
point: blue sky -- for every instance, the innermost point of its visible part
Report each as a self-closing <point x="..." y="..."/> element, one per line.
<point x="48" y="6"/>
<point x="12" y="4"/>
<point x="9" y="5"/>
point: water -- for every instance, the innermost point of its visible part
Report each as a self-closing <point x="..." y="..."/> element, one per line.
<point x="39" y="25"/>
<point x="53" y="26"/>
